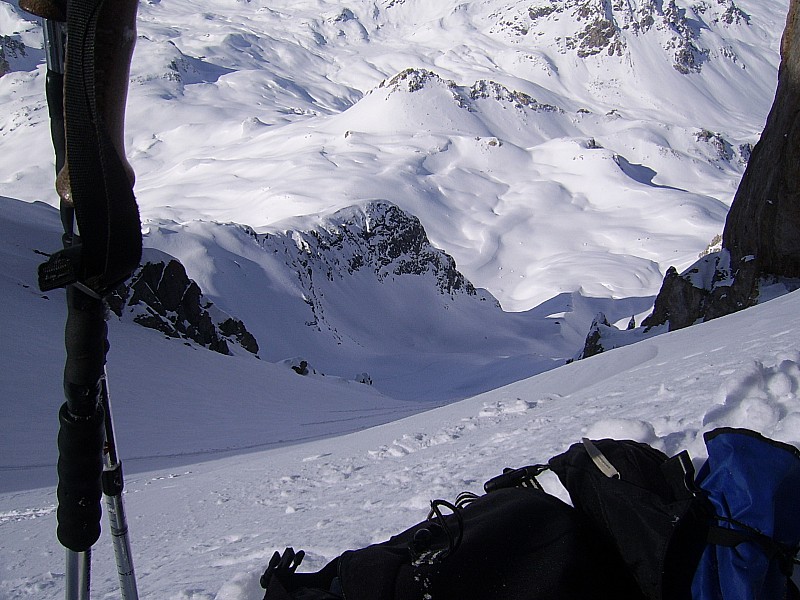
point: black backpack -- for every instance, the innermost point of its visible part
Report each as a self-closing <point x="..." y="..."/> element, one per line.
<point x="645" y="508"/>
<point x="639" y="527"/>
<point x="731" y="533"/>
<point x="515" y="542"/>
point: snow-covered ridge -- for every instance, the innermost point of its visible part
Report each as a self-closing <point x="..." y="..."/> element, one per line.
<point x="413" y="80"/>
<point x="379" y="237"/>
<point x="608" y="27"/>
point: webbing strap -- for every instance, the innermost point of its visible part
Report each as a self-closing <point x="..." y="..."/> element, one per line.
<point x="105" y="207"/>
<point x="723" y="536"/>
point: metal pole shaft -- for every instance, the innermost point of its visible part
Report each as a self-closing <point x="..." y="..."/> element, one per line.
<point x="79" y="567"/>
<point x="122" y="547"/>
<point x="113" y="486"/>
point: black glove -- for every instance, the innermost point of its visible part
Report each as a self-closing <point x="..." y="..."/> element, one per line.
<point x="282" y="566"/>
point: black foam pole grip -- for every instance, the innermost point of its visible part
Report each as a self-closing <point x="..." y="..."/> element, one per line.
<point x="85" y="337"/>
<point x="80" y="470"/>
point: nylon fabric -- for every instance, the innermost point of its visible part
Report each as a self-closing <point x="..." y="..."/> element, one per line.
<point x="647" y="515"/>
<point x="755" y="481"/>
<point x="105" y="207"/>
<point x="518" y="544"/>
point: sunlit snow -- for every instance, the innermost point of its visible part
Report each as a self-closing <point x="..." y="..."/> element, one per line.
<point x="562" y="185"/>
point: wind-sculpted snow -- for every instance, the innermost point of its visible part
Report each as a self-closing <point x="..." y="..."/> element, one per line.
<point x="475" y="118"/>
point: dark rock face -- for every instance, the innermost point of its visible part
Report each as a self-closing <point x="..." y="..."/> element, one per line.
<point x="705" y="291"/>
<point x="593" y="344"/>
<point x="10" y="48"/>
<point x="161" y="296"/>
<point x="764" y="220"/>
<point x="381" y="238"/>
<point x="761" y="239"/>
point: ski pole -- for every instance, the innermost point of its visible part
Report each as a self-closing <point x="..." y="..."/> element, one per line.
<point x="88" y="464"/>
<point x="79" y="565"/>
<point x="113" y="486"/>
<point x="77" y="481"/>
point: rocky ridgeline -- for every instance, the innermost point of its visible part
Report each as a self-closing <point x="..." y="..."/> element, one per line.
<point x="10" y="48"/>
<point x="379" y="239"/>
<point x="414" y="80"/>
<point x="161" y="296"/>
<point x="602" y="27"/>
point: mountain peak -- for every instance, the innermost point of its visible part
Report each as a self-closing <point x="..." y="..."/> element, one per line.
<point x="378" y="236"/>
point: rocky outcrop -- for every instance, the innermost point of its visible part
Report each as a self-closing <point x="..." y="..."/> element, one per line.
<point x="593" y="344"/>
<point x="414" y="80"/>
<point x="707" y="290"/>
<point x="161" y="296"/>
<point x="761" y="239"/>
<point x="10" y="48"/>
<point x="764" y="220"/>
<point x="379" y="237"/>
<point x="608" y="27"/>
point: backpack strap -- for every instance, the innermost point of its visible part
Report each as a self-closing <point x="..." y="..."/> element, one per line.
<point x="785" y="557"/>
<point x="100" y="186"/>
<point x="522" y="477"/>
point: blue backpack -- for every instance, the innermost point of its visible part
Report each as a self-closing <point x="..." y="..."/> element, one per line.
<point x="753" y="484"/>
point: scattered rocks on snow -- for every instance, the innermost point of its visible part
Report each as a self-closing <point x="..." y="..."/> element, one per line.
<point x="604" y="27"/>
<point x="414" y="80"/>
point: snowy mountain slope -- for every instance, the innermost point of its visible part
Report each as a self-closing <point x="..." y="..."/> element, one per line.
<point x="446" y="346"/>
<point x="326" y="294"/>
<point x="206" y="530"/>
<point x="562" y="179"/>
<point x="297" y="108"/>
<point x="196" y="394"/>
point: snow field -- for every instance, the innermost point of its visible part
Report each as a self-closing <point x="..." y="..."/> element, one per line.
<point x="206" y="530"/>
